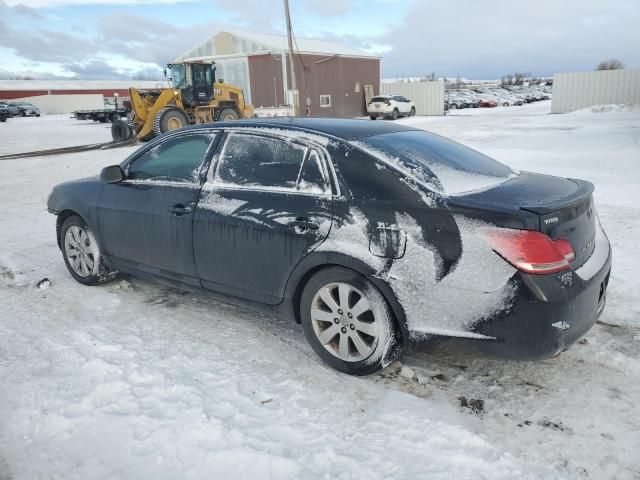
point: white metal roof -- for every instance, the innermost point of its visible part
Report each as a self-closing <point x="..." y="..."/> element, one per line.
<point x="264" y="42"/>
<point x="6" y="85"/>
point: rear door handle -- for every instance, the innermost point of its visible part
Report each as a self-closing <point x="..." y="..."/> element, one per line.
<point x="302" y="224"/>
<point x="179" y="210"/>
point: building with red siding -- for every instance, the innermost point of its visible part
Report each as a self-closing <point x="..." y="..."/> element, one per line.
<point x="332" y="80"/>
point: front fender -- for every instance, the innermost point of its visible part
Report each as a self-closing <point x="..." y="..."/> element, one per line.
<point x="78" y="197"/>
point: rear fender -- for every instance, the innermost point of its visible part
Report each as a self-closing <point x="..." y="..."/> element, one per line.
<point x="317" y="261"/>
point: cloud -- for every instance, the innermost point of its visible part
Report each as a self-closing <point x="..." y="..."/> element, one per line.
<point x="63" y="3"/>
<point x="486" y="41"/>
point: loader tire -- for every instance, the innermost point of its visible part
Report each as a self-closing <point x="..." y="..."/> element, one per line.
<point x="131" y="119"/>
<point x="169" y="118"/>
<point x="120" y="131"/>
<point x="226" y="115"/>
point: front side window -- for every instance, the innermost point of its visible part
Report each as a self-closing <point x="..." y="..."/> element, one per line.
<point x="176" y="160"/>
<point x="261" y="161"/>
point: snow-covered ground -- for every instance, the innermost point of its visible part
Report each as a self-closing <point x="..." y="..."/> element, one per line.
<point x="133" y="380"/>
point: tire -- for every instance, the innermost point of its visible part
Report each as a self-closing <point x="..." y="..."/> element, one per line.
<point x="121" y="131"/>
<point x="505" y="104"/>
<point x="131" y="119"/>
<point x="395" y="114"/>
<point x="23" y="113"/>
<point x="373" y="329"/>
<point x="453" y="106"/>
<point x="169" y="118"/>
<point x="3" y="119"/>
<point x="86" y="266"/>
<point x="412" y="113"/>
<point x="373" y="117"/>
<point x="226" y="115"/>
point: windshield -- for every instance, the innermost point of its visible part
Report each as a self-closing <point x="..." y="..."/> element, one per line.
<point x="178" y="76"/>
<point x="444" y="165"/>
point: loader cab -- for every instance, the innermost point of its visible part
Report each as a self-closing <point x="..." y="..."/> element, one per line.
<point x="195" y="82"/>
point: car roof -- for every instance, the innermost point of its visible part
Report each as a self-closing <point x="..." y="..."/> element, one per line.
<point x="343" y="129"/>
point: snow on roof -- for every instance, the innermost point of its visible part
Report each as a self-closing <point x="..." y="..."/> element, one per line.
<point x="305" y="45"/>
<point x="249" y="42"/>
<point x="11" y="85"/>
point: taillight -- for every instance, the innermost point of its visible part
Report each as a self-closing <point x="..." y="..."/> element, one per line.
<point x="530" y="251"/>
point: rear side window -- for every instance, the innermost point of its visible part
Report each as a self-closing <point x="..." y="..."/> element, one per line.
<point x="176" y="159"/>
<point x="447" y="166"/>
<point x="262" y="161"/>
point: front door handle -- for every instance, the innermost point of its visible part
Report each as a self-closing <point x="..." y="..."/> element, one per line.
<point x="179" y="210"/>
<point x="303" y="224"/>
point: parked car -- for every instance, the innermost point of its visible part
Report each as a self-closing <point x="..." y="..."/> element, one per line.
<point x="372" y="235"/>
<point x="457" y="101"/>
<point x="487" y="102"/>
<point x="26" y="109"/>
<point x="4" y="113"/>
<point x="390" y="106"/>
<point x="12" y="110"/>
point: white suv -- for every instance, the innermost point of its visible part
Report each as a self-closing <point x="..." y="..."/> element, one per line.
<point x="390" y="106"/>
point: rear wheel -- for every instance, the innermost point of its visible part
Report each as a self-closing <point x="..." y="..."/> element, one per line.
<point x="413" y="112"/>
<point x="81" y="253"/>
<point x="395" y="114"/>
<point x="348" y="322"/>
<point x="226" y="115"/>
<point x="121" y="131"/>
<point x="372" y="117"/>
<point x="169" y="118"/>
<point x="453" y="106"/>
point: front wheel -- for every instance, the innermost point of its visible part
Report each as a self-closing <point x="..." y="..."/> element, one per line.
<point x="348" y="322"/>
<point x="372" y="117"/>
<point x="81" y="253"/>
<point x="412" y="113"/>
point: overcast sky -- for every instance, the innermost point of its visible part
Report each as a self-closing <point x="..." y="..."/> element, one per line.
<point x="101" y="39"/>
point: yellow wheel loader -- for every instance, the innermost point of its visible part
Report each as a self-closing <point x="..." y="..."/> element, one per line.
<point x="195" y="98"/>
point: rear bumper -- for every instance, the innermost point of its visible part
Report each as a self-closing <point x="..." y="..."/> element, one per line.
<point x="550" y="312"/>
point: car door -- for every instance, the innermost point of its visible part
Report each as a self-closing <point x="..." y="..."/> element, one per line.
<point x="145" y="222"/>
<point x="266" y="205"/>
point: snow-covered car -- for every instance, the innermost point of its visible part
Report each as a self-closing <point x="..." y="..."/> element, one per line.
<point x="390" y="106"/>
<point x="9" y="108"/>
<point x="26" y="109"/>
<point x="372" y="235"/>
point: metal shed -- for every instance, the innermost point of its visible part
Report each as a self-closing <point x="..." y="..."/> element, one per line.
<point x="428" y="96"/>
<point x="572" y="91"/>
<point x="331" y="78"/>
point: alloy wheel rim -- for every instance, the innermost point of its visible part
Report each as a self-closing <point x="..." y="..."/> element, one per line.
<point x="344" y="322"/>
<point x="80" y="251"/>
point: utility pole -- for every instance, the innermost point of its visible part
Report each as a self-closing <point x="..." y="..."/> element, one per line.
<point x="294" y="87"/>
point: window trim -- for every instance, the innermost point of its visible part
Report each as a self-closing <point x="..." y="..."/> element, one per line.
<point x="204" y="166"/>
<point x="332" y="187"/>
<point x="325" y="96"/>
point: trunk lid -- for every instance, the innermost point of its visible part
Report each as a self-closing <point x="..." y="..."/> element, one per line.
<point x="563" y="208"/>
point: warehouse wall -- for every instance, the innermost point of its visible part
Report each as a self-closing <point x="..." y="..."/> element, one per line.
<point x="572" y="91"/>
<point x="428" y="96"/>
<point x="341" y="78"/>
<point x="65" y="103"/>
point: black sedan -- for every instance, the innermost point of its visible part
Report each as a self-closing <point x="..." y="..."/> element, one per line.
<point x="374" y="236"/>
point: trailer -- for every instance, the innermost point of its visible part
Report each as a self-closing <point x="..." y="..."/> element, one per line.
<point x="102" y="115"/>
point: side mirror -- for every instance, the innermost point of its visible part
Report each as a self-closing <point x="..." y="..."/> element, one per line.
<point x="112" y="174"/>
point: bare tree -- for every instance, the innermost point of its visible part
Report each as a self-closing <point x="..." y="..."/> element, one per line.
<point x="611" y="64"/>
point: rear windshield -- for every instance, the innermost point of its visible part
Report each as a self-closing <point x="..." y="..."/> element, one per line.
<point x="379" y="99"/>
<point x="445" y="165"/>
